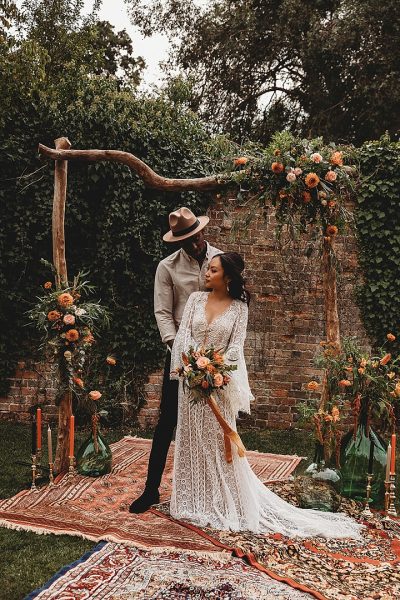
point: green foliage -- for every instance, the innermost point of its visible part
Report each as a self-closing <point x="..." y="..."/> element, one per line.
<point x="378" y="228"/>
<point x="113" y="224"/>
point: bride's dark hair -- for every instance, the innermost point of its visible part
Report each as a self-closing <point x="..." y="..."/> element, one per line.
<point x="233" y="265"/>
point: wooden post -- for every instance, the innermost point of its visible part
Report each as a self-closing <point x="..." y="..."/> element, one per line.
<point x="331" y="310"/>
<point x="61" y="462"/>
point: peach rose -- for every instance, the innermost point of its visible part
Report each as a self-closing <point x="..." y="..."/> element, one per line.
<point x="218" y="380"/>
<point x="69" y="319"/>
<point x="291" y="177"/>
<point x="316" y="157"/>
<point x="110" y="360"/>
<point x="54" y="315"/>
<point x="277" y="167"/>
<point x="391" y="337"/>
<point x="72" y="335"/>
<point x="202" y="362"/>
<point x="297" y="171"/>
<point x="65" y="299"/>
<point x="94" y="395"/>
<point x="312" y="180"/>
<point x="331" y="176"/>
<point x="312" y="386"/>
<point x="337" y="159"/>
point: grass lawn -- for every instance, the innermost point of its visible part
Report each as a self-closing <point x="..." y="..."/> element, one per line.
<point x="28" y="560"/>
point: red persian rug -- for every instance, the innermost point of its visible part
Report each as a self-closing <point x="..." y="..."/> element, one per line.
<point x="97" y="509"/>
<point x="119" y="572"/>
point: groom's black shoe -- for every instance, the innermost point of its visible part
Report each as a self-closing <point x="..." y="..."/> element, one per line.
<point x="144" y="501"/>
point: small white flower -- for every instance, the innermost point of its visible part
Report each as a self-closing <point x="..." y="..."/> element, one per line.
<point x="291" y="177"/>
<point x="324" y="202"/>
<point x="80" y="311"/>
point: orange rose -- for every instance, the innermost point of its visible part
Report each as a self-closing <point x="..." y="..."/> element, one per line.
<point x="54" y="315"/>
<point x="202" y="362"/>
<point x="337" y="159"/>
<point x="332" y="230"/>
<point x="65" y="299"/>
<point x="345" y="383"/>
<point x="306" y="197"/>
<point x="72" y="335"/>
<point x="110" y="360"/>
<point x="47" y="285"/>
<point x="94" y="395"/>
<point x="242" y="160"/>
<point x="391" y="337"/>
<point x="277" y="167"/>
<point x="312" y="386"/>
<point x="385" y="359"/>
<point x="78" y="381"/>
<point x="312" y="180"/>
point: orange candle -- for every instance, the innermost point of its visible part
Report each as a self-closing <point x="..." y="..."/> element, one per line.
<point x="393" y="455"/>
<point x="39" y="428"/>
<point x="71" y="435"/>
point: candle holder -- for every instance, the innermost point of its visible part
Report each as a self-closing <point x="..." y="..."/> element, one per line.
<point x="391" y="509"/>
<point x="71" y="470"/>
<point x="51" y="476"/>
<point x="34" y="475"/>
<point x="367" y="513"/>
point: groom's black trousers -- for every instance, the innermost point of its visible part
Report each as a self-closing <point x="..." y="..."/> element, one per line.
<point x="165" y="428"/>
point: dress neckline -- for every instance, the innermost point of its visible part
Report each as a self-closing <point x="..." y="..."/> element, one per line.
<point x="218" y="316"/>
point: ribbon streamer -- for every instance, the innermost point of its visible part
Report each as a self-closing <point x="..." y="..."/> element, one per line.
<point x="230" y="436"/>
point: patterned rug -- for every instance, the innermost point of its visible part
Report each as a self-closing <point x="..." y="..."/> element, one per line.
<point x="329" y="569"/>
<point x="97" y="508"/>
<point x="119" y="572"/>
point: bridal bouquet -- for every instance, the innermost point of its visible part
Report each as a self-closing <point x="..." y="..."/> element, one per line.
<point x="204" y="372"/>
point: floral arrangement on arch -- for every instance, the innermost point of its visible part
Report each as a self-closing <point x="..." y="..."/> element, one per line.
<point x="306" y="180"/>
<point x="362" y="384"/>
<point x="69" y="326"/>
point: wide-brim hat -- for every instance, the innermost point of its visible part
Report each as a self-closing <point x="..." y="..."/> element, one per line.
<point x="184" y="224"/>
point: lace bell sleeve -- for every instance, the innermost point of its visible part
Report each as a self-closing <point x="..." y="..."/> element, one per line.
<point x="183" y="339"/>
<point x="241" y="395"/>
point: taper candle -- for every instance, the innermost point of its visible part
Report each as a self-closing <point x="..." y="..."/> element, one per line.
<point x="388" y="457"/>
<point x="393" y="455"/>
<point x="39" y="428"/>
<point x="71" y="435"/>
<point x="371" y="456"/>
<point x="33" y="436"/>
<point x="49" y="444"/>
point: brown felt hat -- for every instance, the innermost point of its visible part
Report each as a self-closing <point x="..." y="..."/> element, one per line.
<point x="184" y="224"/>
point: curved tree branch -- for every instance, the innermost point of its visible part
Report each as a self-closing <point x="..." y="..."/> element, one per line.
<point x="150" y="177"/>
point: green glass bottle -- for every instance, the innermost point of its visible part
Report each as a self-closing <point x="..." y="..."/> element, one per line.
<point x="94" y="457"/>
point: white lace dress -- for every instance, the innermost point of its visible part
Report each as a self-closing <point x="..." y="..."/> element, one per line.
<point x="208" y="491"/>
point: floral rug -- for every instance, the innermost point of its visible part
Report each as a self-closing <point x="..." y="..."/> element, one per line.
<point x="119" y="572"/>
<point x="363" y="569"/>
<point x="97" y="508"/>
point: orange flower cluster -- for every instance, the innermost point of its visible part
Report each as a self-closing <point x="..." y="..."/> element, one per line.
<point x="312" y="180"/>
<point x="337" y="159"/>
<point x="65" y="300"/>
<point x="277" y="167"/>
<point x="72" y="335"/>
<point x="54" y="315"/>
<point x="242" y="160"/>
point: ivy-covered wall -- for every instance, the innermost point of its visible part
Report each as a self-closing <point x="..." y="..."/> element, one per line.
<point x="378" y="232"/>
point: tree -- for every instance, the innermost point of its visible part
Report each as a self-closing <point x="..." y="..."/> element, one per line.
<point x="317" y="67"/>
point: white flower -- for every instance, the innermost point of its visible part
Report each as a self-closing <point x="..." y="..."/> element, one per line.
<point x="324" y="202"/>
<point x="80" y="311"/>
<point x="291" y="177"/>
<point x="297" y="171"/>
<point x="316" y="157"/>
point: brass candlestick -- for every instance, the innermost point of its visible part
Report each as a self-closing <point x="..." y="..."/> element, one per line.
<point x="71" y="470"/>
<point x="38" y="463"/>
<point x="367" y="511"/>
<point x="387" y="495"/>
<point x="33" y="486"/>
<point x="391" y="509"/>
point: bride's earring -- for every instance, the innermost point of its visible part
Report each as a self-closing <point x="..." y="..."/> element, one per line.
<point x="227" y="287"/>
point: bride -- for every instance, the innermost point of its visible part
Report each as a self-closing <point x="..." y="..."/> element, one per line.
<point x="207" y="490"/>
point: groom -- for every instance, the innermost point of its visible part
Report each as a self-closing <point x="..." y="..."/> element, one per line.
<point x="177" y="276"/>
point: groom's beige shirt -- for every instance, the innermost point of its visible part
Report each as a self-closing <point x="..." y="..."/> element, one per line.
<point x="177" y="276"/>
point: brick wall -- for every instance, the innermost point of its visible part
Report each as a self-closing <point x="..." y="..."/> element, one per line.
<point x="286" y="323"/>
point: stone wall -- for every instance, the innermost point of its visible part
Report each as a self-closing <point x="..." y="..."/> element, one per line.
<point x="286" y="324"/>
